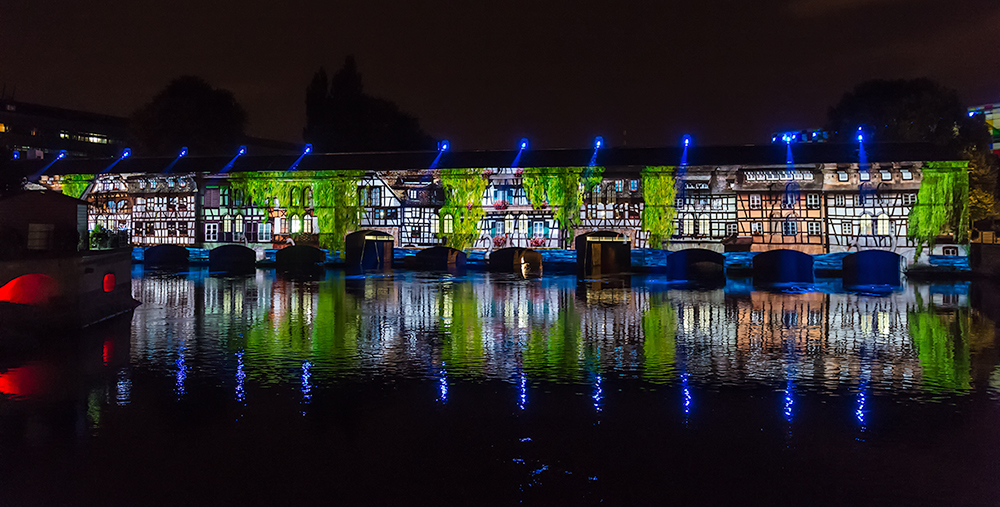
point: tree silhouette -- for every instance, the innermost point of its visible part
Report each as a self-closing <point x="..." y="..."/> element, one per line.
<point x="189" y="112"/>
<point x="340" y="117"/>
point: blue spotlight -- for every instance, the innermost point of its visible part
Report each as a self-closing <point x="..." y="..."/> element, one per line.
<point x="305" y="151"/>
<point x="598" y="142"/>
<point x="125" y="154"/>
<point x="687" y="140"/>
<point x="524" y="143"/>
<point x="971" y="114"/>
<point x="17" y="155"/>
<point x="34" y="177"/>
<point x="443" y="145"/>
<point x="861" y="135"/>
<point x="183" y="152"/>
<point x="229" y="165"/>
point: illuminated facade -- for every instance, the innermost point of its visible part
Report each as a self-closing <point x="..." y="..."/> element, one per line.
<point x="812" y="207"/>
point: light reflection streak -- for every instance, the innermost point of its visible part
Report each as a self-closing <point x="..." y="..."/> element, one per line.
<point x="522" y="399"/>
<point x="789" y="400"/>
<point x="123" y="391"/>
<point x="443" y="386"/>
<point x="686" y="390"/>
<point x="306" y="386"/>
<point x="598" y="393"/>
<point x="241" y="377"/>
<point x="181" y="377"/>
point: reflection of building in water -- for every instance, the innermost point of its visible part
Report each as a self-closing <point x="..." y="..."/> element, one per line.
<point x="706" y="333"/>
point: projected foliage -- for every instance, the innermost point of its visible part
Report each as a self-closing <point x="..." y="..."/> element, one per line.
<point x="942" y="204"/>
<point x="942" y="342"/>
<point x="462" y="347"/>
<point x="659" y="327"/>
<point x="559" y="188"/>
<point x="334" y="193"/>
<point x="74" y="185"/>
<point x="659" y="188"/>
<point x="463" y="194"/>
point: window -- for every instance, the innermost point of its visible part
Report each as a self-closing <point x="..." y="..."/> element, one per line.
<point x="688" y="225"/>
<point x="211" y="197"/>
<point x="307" y="224"/>
<point x="756" y="228"/>
<point x="633" y="185"/>
<point x="861" y="199"/>
<point x="754" y="201"/>
<point x="40" y="236"/>
<point x="415" y="232"/>
<point x="909" y="199"/>
<point x="182" y="229"/>
<point x="906" y="175"/>
<point x="679" y="202"/>
<point x="789" y="199"/>
<point x="171" y="228"/>
<point x="150" y="228"/>
<point x="412" y="195"/>
<point x="539" y="229"/>
<point x="137" y="228"/>
<point x="841" y="176"/>
<point x="814" y="228"/>
<point x="448" y="224"/>
<point x="847" y="228"/>
<point x="950" y="250"/>
<point x="865" y="226"/>
<point x="789" y="227"/>
<point x="885" y="175"/>
<point x="882" y="225"/>
<point x="812" y="201"/>
<point x="865" y="175"/>
<point x="838" y="200"/>
<point x="619" y="185"/>
<point x="703" y="225"/>
<point x="731" y="228"/>
<point x="296" y="224"/>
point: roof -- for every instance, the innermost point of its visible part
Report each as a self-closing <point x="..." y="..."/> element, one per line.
<point x="751" y="155"/>
<point x="38" y="195"/>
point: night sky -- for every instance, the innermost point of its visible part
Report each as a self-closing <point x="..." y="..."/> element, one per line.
<point x="639" y="73"/>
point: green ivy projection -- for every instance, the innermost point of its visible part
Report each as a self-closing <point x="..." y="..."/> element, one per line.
<point x="659" y="188"/>
<point x="942" y="204"/>
<point x="335" y="199"/>
<point x="74" y="185"/>
<point x="559" y="187"/>
<point x="463" y="194"/>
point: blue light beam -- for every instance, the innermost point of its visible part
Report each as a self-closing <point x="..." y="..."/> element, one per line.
<point x="227" y="167"/>
<point x="521" y="146"/>
<point x="307" y="150"/>
<point x="442" y="147"/>
<point x="598" y="143"/>
<point x="126" y="153"/>
<point x="38" y="174"/>
<point x="183" y="153"/>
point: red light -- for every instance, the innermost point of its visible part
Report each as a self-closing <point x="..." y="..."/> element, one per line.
<point x="109" y="282"/>
<point x="109" y="351"/>
<point x="32" y="289"/>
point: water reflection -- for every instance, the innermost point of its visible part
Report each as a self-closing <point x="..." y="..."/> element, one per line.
<point x="484" y="326"/>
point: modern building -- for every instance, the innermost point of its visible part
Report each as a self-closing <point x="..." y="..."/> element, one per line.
<point x="991" y="114"/>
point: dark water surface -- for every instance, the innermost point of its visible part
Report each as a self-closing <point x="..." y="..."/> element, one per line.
<point x="414" y="389"/>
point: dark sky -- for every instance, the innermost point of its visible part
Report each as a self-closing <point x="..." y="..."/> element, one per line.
<point x="483" y="75"/>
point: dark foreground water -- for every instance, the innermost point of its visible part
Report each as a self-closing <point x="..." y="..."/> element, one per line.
<point x="417" y="389"/>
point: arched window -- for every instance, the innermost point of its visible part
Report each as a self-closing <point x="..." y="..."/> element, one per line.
<point x="293" y="197"/>
<point x="790" y="226"/>
<point x="449" y="224"/>
<point x="687" y="227"/>
<point x="508" y="225"/>
<point x="307" y="197"/>
<point x="865" y="227"/>
<point x="882" y="225"/>
<point x="307" y="224"/>
<point x="296" y="224"/>
<point x="703" y="225"/>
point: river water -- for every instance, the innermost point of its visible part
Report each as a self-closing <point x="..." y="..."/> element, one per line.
<point x="484" y="389"/>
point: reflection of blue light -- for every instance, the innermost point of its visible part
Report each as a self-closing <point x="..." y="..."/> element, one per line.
<point x="306" y="386"/>
<point x="687" y="394"/>
<point x="443" y="386"/>
<point x="523" y="396"/>
<point x="123" y="389"/>
<point x="598" y="393"/>
<point x="860" y="411"/>
<point x="181" y="374"/>
<point x="789" y="402"/>
<point x="241" y="377"/>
